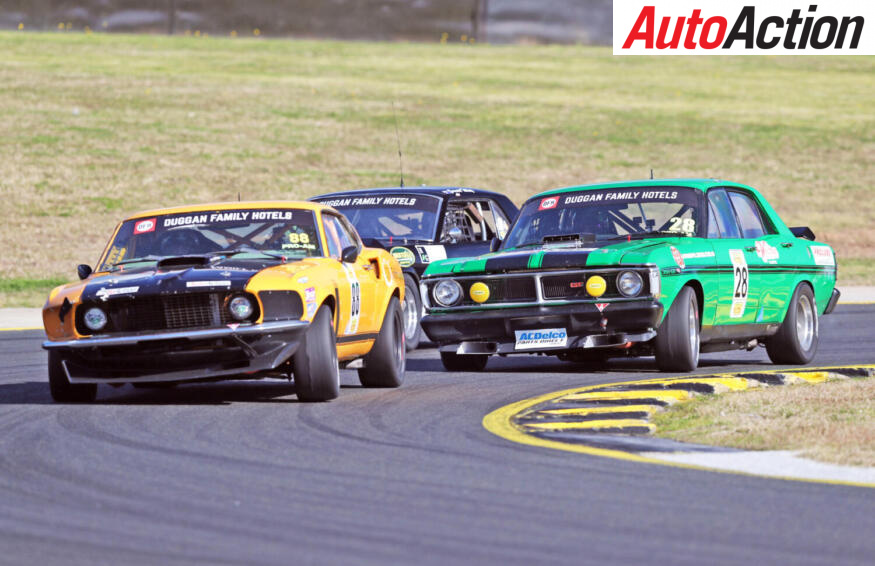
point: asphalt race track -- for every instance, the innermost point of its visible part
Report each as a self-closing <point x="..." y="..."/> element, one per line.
<point x="241" y="473"/>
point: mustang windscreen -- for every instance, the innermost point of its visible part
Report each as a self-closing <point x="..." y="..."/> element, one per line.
<point x="401" y="217"/>
<point x="281" y="232"/>
<point x="607" y="214"/>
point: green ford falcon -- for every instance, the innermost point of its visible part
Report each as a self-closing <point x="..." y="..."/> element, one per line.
<point x="666" y="268"/>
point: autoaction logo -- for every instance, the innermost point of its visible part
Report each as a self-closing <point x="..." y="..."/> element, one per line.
<point x="738" y="27"/>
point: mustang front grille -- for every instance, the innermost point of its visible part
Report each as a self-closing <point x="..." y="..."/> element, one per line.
<point x="167" y="312"/>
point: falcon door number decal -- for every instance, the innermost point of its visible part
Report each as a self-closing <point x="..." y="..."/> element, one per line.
<point x="740" y="283"/>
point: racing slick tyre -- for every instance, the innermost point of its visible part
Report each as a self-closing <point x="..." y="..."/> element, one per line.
<point x="317" y="375"/>
<point x="62" y="390"/>
<point x="467" y="362"/>
<point x="385" y="363"/>
<point x="797" y="338"/>
<point x="677" y="339"/>
<point x="412" y="312"/>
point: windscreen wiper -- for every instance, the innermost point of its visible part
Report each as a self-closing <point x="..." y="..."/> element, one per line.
<point x="250" y="250"/>
<point x="639" y="235"/>
<point x="582" y="238"/>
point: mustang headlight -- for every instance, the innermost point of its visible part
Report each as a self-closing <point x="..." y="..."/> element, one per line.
<point x="95" y="319"/>
<point x="447" y="292"/>
<point x="630" y="284"/>
<point x="240" y="307"/>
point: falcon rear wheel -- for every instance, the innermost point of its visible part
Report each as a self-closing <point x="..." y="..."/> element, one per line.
<point x="797" y="338"/>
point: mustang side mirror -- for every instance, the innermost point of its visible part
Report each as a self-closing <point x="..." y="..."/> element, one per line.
<point x="83" y="270"/>
<point x="494" y="244"/>
<point x="349" y="254"/>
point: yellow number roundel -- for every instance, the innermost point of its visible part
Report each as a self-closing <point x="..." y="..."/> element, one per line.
<point x="596" y="286"/>
<point x="479" y="292"/>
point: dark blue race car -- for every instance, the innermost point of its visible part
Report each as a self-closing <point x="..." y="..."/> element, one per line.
<point x="419" y="225"/>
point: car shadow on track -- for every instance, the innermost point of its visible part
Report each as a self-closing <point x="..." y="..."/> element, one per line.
<point x="542" y="364"/>
<point x="37" y="393"/>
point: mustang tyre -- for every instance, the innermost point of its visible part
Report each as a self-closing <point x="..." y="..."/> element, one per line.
<point x="384" y="365"/>
<point x="412" y="312"/>
<point x="677" y="340"/>
<point x="317" y="376"/>
<point x="62" y="390"/>
<point x="797" y="338"/>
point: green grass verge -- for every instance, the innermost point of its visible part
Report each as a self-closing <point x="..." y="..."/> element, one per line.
<point x="98" y="126"/>
<point x="832" y="421"/>
<point x="23" y="292"/>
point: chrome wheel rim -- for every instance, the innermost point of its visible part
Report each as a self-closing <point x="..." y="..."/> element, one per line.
<point x="805" y="321"/>
<point x="411" y="317"/>
<point x="694" y="329"/>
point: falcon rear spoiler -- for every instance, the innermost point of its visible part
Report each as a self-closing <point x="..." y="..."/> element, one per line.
<point x="803" y="232"/>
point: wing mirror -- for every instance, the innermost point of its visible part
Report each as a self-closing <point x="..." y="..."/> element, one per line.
<point x="349" y="254"/>
<point x="84" y="270"/>
<point x="803" y="232"/>
<point x="494" y="244"/>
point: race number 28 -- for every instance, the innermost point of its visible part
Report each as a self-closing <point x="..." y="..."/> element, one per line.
<point x="740" y="283"/>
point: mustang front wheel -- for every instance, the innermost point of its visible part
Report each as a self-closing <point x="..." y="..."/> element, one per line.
<point x="796" y="339"/>
<point x="677" y="340"/>
<point x="62" y="390"/>
<point x="317" y="376"/>
<point x="387" y="360"/>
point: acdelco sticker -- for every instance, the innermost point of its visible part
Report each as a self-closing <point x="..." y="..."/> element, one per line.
<point x="548" y="203"/>
<point x="144" y="226"/>
<point x="822" y="255"/>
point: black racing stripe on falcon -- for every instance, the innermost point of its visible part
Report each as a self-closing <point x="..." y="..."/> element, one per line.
<point x="356" y="338"/>
<point x="510" y="262"/>
<point x="570" y="259"/>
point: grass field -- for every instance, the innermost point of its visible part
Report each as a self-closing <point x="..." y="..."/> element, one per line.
<point x="97" y="126"/>
<point x="831" y="422"/>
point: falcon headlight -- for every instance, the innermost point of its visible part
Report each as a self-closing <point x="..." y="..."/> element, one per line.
<point x="630" y="284"/>
<point x="447" y="293"/>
